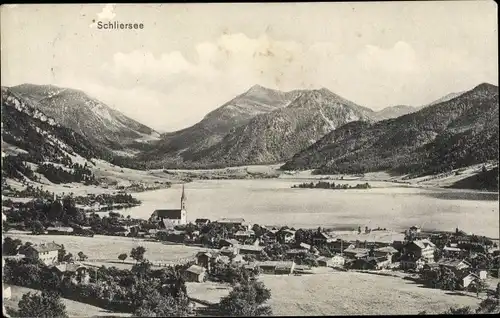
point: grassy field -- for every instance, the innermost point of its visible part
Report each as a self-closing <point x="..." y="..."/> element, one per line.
<point x="109" y="247"/>
<point x="73" y="308"/>
<point x="374" y="236"/>
<point x="350" y="293"/>
<point x="208" y="291"/>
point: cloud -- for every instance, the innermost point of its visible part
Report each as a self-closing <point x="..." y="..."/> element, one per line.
<point x="107" y="14"/>
<point x="173" y="91"/>
<point x="400" y="58"/>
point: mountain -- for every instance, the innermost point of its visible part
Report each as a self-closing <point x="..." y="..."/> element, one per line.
<point x="87" y="116"/>
<point x="455" y="133"/>
<point x="393" y="112"/>
<point x="34" y="142"/>
<point x="486" y="180"/>
<point x="444" y="99"/>
<point x="288" y="123"/>
<point x="174" y="146"/>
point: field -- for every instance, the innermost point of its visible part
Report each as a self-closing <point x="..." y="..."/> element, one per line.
<point x="374" y="236"/>
<point x="208" y="291"/>
<point x="73" y="308"/>
<point x="109" y="247"/>
<point x="351" y="293"/>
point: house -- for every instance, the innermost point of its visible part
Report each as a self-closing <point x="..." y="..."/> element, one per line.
<point x="275" y="267"/>
<point x="470" y="278"/>
<point x="370" y="263"/>
<point x="270" y="236"/>
<point x="63" y="230"/>
<point x="250" y="249"/>
<point x="455" y="265"/>
<point x="201" y="222"/>
<point x="449" y="251"/>
<point x="286" y="236"/>
<point x="407" y="262"/>
<point x="195" y="273"/>
<point x="169" y="218"/>
<point x="229" y="250"/>
<point x="356" y="253"/>
<point x="302" y="269"/>
<point x="242" y="235"/>
<point x="203" y="259"/>
<point x="338" y="261"/>
<point x="228" y="242"/>
<point x="421" y="249"/>
<point x="76" y="271"/>
<point x="237" y="222"/>
<point x="45" y="252"/>
<point x="324" y="261"/>
<point x="320" y="238"/>
<point x="338" y="246"/>
<point x="389" y="252"/>
<point x="284" y="268"/>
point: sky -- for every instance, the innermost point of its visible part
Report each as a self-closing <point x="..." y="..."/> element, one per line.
<point x="192" y="58"/>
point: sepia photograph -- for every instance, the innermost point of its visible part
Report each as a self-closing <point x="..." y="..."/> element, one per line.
<point x="250" y="159"/>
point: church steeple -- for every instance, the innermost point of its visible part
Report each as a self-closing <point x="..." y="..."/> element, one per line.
<point x="183" y="199"/>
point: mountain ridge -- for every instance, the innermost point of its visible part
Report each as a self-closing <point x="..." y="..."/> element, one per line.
<point x="86" y="115"/>
<point x="430" y="140"/>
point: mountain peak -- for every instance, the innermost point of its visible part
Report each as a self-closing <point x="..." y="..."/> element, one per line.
<point x="259" y="88"/>
<point x="485" y="87"/>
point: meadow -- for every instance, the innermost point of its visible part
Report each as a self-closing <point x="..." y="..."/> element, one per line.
<point x="352" y="293"/>
<point x="73" y="308"/>
<point x="107" y="248"/>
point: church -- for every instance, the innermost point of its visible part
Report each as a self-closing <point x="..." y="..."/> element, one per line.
<point x="168" y="218"/>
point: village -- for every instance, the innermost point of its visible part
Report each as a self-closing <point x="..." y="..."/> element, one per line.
<point x="453" y="261"/>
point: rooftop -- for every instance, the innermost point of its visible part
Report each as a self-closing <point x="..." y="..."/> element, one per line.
<point x="452" y="262"/>
<point x="195" y="269"/>
<point x="172" y="214"/>
<point x="387" y="249"/>
<point x="231" y="220"/>
<point x="245" y="233"/>
<point x="46" y="247"/>
<point x="69" y="267"/>
<point x="251" y="248"/>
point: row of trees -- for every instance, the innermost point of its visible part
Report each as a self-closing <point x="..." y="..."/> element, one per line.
<point x="332" y="185"/>
<point x="76" y="173"/>
<point x="36" y="215"/>
<point x="141" y="290"/>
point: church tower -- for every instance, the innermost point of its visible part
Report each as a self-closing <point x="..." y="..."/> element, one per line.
<point x="183" y="207"/>
<point x="183" y="199"/>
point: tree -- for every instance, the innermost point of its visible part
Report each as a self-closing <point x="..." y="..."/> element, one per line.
<point x="82" y="256"/>
<point x="61" y="253"/>
<point x="137" y="253"/>
<point x="43" y="305"/>
<point x="11" y="246"/>
<point x="68" y="258"/>
<point x="459" y="311"/>
<point x="247" y="299"/>
<point x="37" y="227"/>
<point x="122" y="257"/>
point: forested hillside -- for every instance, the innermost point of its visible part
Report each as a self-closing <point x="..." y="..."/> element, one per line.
<point x="452" y="134"/>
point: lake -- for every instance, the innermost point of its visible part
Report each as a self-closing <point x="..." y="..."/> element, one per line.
<point x="386" y="205"/>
